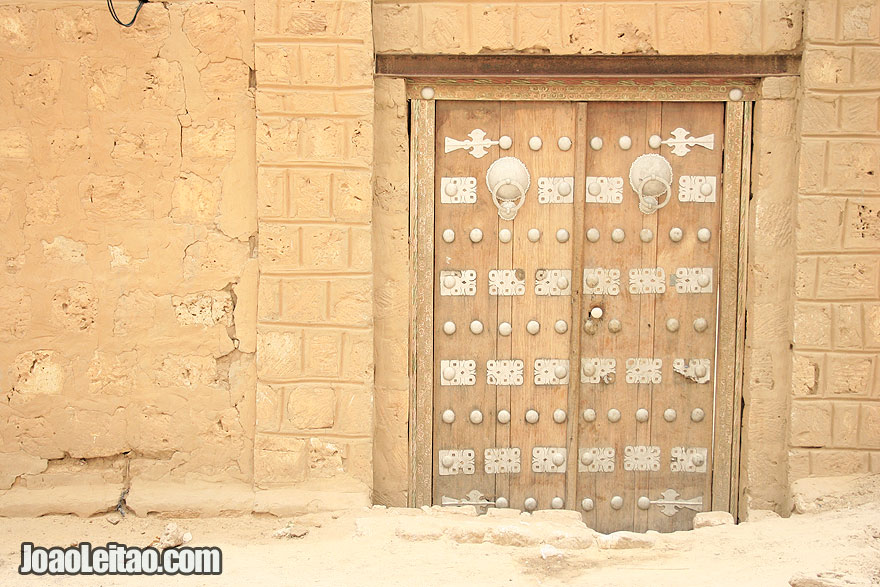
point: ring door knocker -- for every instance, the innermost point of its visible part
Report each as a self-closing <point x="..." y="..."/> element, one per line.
<point x="508" y="181"/>
<point x="651" y="177"/>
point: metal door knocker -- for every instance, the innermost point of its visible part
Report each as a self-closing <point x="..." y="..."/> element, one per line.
<point x="651" y="177"/>
<point x="508" y="181"/>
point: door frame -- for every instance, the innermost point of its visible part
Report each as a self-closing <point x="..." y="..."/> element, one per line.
<point x="730" y="342"/>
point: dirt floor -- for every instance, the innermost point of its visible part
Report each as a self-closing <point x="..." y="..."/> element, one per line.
<point x="835" y="542"/>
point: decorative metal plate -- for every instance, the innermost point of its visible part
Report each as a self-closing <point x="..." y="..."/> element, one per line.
<point x="603" y="370"/>
<point x="687" y="280"/>
<point x="477" y="145"/>
<point x="507" y="282"/>
<point x="548" y="192"/>
<point x="608" y="281"/>
<point x="670" y="504"/>
<point x="603" y="460"/>
<point x="465" y="372"/>
<point x="465" y="192"/>
<point x="504" y="372"/>
<point x="501" y="460"/>
<point x="542" y="459"/>
<point x="547" y="282"/>
<point x="545" y="371"/>
<point x="462" y="462"/>
<point x="641" y="458"/>
<point x="611" y="190"/>
<point x="688" y="368"/>
<point x="681" y="142"/>
<point x="683" y="460"/>
<point x="647" y="280"/>
<point x="641" y="370"/>
<point x="465" y="282"/>
<point x="690" y="188"/>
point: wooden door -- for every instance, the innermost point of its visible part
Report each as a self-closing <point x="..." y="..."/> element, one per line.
<point x="574" y="343"/>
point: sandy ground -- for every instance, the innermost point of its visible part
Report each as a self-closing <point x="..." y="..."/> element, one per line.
<point x="839" y="539"/>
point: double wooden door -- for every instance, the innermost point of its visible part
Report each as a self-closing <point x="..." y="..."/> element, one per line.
<point x="574" y="345"/>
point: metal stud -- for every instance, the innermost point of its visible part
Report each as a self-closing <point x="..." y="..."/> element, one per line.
<point x="625" y="143"/>
<point x="504" y="329"/>
<point x="559" y="416"/>
<point x="592" y="280"/>
<point x="700" y="370"/>
<point x="596" y="312"/>
<point x="562" y="235"/>
<point x="447" y="461"/>
<point x="614" y="325"/>
<point x="617" y="502"/>
<point x="703" y="280"/>
<point x="587" y="457"/>
<point x="556" y="503"/>
<point x="561" y="326"/>
<point x="641" y="415"/>
<point x="672" y="325"/>
<point x="617" y="235"/>
<point x="451" y="188"/>
<point x="613" y="415"/>
<point x="448" y="416"/>
<point x="505" y="142"/>
<point x="562" y="282"/>
<point x="532" y="416"/>
<point x="476" y="417"/>
<point x="449" y="327"/>
<point x="675" y="234"/>
<point x="735" y="94"/>
<point x="564" y="143"/>
<point x="449" y="373"/>
<point x="504" y="235"/>
<point x="589" y="415"/>
<point x="587" y="504"/>
<point x="704" y="234"/>
<point x="698" y="459"/>
<point x="593" y="235"/>
<point x="476" y="235"/>
<point x="706" y="188"/>
<point x="501" y="502"/>
<point x="560" y="371"/>
<point x="698" y="414"/>
<point x="563" y="188"/>
<point x="655" y="141"/>
<point x="646" y="235"/>
<point x="427" y="93"/>
<point x="535" y="143"/>
<point x="644" y="502"/>
<point x="558" y="459"/>
<point x="590" y="327"/>
<point x="588" y="368"/>
<point x="594" y="188"/>
<point x="503" y="416"/>
<point x="533" y="326"/>
<point x="448" y="235"/>
<point x="700" y="325"/>
<point x="530" y="504"/>
<point x="596" y="143"/>
<point x="669" y="415"/>
<point x="477" y="327"/>
<point x="534" y="235"/>
<point x="449" y="282"/>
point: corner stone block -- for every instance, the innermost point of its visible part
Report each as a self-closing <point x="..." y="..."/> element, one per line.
<point x="805" y="276"/>
<point x="352" y="196"/>
<point x="847" y="331"/>
<point x="325" y="248"/>
<point x="807" y="371"/>
<point x="811" y="424"/>
<point x="630" y="28"/>
<point x="310" y="194"/>
<point x="819" y="113"/>
<point x="279" y="353"/>
<point x="280" y="460"/>
<point x="538" y="27"/>
<point x="859" y="113"/>
<point x="351" y="301"/>
<point x="279" y="247"/>
<point x="845" y="425"/>
<point x="819" y="223"/>
<point x="859" y="20"/>
<point x="684" y="28"/>
<point x="269" y="405"/>
<point x="495" y="23"/>
<point x="311" y="407"/>
<point x="847" y="276"/>
<point x="866" y="66"/>
<point x="396" y="28"/>
<point x="853" y="165"/>
<point x="812" y="165"/>
<point x="783" y="25"/>
<point x="861" y="227"/>
<point x="357" y="363"/>
<point x="828" y="68"/>
<point x="812" y="325"/>
<point x="838" y="462"/>
<point x="871" y="312"/>
<point x="736" y="28"/>
<point x="319" y="65"/>
<point x="849" y="374"/>
<point x="798" y="464"/>
<point x="304" y="300"/>
<point x="821" y="20"/>
<point x="271" y="192"/>
<point x="445" y="27"/>
<point x="869" y="426"/>
<point x="323" y="352"/>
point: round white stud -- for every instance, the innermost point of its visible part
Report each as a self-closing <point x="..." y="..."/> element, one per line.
<point x="735" y="94"/>
<point x="476" y="235"/>
<point x="447" y="461"/>
<point x="590" y="327"/>
<point x="596" y="312"/>
<point x="698" y="414"/>
<point x="427" y="93"/>
<point x="613" y="415"/>
<point x="534" y="235"/>
<point x="449" y="282"/>
<point x="477" y="327"/>
<point x="589" y="369"/>
<point x="704" y="234"/>
<point x="589" y="415"/>
<point x="559" y="416"/>
<point x="655" y="141"/>
<point x="449" y="373"/>
<point x="448" y="235"/>
<point x="594" y="188"/>
<point x="504" y="235"/>
<point x="562" y="235"/>
<point x="672" y="325"/>
<point x="562" y="282"/>
<point x="556" y="503"/>
<point x="476" y="417"/>
<point x="449" y="327"/>
<point x="563" y="188"/>
<point x="703" y="280"/>
<point x="670" y="415"/>
<point x="532" y="416"/>
<point x="587" y="457"/>
<point x="504" y="329"/>
<point x="533" y="326"/>
<point x="448" y="416"/>
<point x="564" y="143"/>
<point x="675" y="234"/>
<point x="503" y="417"/>
<point x="530" y="504"/>
<point x="451" y="188"/>
<point x="592" y="280"/>
<point x="561" y="326"/>
<point x="644" y="503"/>
<point x="698" y="459"/>
<point x="700" y="370"/>
<point x="501" y="502"/>
<point x="596" y="143"/>
<point x="617" y="502"/>
<point x="641" y="415"/>
<point x="706" y="188"/>
<point x="646" y="235"/>
<point x="625" y="143"/>
<point x="587" y="504"/>
<point x="593" y="235"/>
<point x="505" y="142"/>
<point x="617" y="235"/>
<point x="535" y="143"/>
<point x="700" y="325"/>
<point x="557" y="459"/>
<point x="614" y="325"/>
<point x="561" y="371"/>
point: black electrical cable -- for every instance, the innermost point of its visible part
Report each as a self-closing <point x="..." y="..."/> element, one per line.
<point x="116" y="18"/>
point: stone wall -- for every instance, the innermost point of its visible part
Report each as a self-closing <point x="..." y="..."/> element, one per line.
<point x="835" y="418"/>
